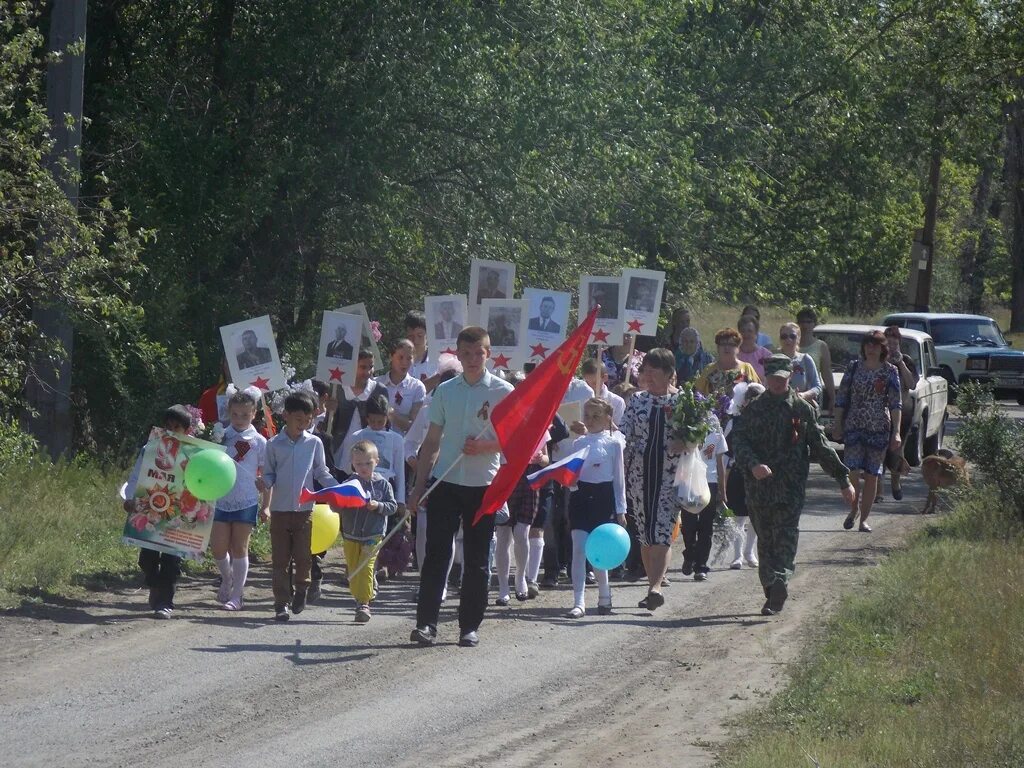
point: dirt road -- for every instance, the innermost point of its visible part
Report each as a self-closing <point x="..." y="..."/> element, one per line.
<point x="102" y="684"/>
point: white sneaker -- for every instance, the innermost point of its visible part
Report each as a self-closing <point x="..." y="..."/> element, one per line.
<point x="751" y="562"/>
<point x="736" y="564"/>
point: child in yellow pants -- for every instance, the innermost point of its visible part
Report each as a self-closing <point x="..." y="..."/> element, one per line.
<point x="363" y="527"/>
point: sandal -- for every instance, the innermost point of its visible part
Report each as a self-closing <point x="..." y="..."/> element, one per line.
<point x="865" y="528"/>
<point x="575" y="613"/>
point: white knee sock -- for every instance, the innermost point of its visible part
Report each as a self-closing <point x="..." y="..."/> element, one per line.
<point x="579" y="567"/>
<point x="737" y="542"/>
<point x="521" y="547"/>
<point x="239" y="573"/>
<point x="534" y="558"/>
<point x="750" y="548"/>
<point x="604" y="588"/>
<point x="502" y="557"/>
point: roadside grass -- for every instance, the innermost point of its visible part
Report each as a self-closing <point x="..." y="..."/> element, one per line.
<point x="924" y="666"/>
<point x="60" y="531"/>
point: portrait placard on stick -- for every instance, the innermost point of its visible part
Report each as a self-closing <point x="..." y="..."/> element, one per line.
<point x="251" y="353"/>
<point x="603" y="291"/>
<point x="366" y="336"/>
<point x="339" y="347"/>
<point x="489" y="280"/>
<point x="446" y="317"/>
<point x="641" y="300"/>
<point x="548" y="316"/>
<point x="505" y="321"/>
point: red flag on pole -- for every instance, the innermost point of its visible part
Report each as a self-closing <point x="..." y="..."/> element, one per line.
<point x="520" y="419"/>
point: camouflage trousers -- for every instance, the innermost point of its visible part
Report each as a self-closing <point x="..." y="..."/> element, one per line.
<point x="778" y="528"/>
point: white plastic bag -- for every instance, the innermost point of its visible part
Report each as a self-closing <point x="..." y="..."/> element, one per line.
<point x="692" y="480"/>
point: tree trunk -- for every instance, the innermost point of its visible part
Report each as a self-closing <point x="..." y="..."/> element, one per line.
<point x="49" y="388"/>
<point x="931" y="212"/>
<point x="977" y="245"/>
<point x="1014" y="154"/>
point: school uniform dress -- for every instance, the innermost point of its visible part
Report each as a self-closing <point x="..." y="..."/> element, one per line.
<point x="600" y="493"/>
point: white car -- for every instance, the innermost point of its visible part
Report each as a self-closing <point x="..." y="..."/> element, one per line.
<point x="929" y="397"/>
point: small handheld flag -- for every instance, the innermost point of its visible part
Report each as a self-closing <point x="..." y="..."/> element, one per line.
<point x="349" y="494"/>
<point x="565" y="472"/>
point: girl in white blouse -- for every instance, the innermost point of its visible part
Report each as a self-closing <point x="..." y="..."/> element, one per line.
<point x="599" y="497"/>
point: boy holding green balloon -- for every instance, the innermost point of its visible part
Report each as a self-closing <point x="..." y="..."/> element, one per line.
<point x="295" y="459"/>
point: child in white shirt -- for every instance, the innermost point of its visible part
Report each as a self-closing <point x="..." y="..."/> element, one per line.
<point x="598" y="498"/>
<point x="235" y="514"/>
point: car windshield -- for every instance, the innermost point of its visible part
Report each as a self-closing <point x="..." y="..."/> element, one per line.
<point x="967" y="331"/>
<point x="845" y="347"/>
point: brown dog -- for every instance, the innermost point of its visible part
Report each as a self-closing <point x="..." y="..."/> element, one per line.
<point x="942" y="470"/>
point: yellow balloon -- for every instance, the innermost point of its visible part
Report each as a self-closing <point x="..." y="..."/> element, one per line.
<point x="326" y="526"/>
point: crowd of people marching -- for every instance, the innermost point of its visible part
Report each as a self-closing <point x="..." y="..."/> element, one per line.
<point x="417" y="435"/>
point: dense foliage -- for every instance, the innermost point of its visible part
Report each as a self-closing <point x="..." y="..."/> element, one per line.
<point x="289" y="156"/>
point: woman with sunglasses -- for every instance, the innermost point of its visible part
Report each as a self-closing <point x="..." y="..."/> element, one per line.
<point x="867" y="421"/>
<point x="805" y="379"/>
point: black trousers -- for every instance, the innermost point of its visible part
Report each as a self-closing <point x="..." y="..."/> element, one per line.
<point x="161" y="571"/>
<point x="558" y="546"/>
<point x="448" y="507"/>
<point x="697" y="532"/>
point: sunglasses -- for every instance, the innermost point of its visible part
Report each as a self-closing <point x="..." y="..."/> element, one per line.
<point x="787" y="336"/>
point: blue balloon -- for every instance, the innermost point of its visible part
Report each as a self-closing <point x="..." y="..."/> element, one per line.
<point x="607" y="546"/>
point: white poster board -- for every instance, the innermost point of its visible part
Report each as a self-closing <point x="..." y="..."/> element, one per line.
<point x="489" y="280"/>
<point x="505" y="321"/>
<point x="446" y="317"/>
<point x="547" y="320"/>
<point x="640" y="300"/>
<point x="251" y="352"/>
<point x="338" y="356"/>
<point x="594" y="290"/>
<point x="367" y="340"/>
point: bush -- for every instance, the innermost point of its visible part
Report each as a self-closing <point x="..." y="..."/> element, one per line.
<point x="16" y="446"/>
<point x="993" y="442"/>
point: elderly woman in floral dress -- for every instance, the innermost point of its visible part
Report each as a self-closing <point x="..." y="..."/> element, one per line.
<point x="651" y="457"/>
<point x="719" y="378"/>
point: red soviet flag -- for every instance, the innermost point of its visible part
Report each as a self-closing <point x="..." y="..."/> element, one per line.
<point x="520" y="419"/>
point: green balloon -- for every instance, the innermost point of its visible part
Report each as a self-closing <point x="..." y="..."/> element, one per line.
<point x="209" y="474"/>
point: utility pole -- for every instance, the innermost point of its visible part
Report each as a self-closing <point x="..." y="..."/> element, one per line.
<point x="49" y="388"/>
<point x="922" y="255"/>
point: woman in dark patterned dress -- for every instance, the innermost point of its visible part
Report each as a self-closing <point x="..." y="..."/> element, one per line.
<point x="651" y="458"/>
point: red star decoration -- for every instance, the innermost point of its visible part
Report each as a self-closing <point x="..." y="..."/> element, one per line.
<point x="261" y="383"/>
<point x="336" y="374"/>
<point x="635" y="325"/>
<point x="501" y="361"/>
<point x="600" y="335"/>
<point x="538" y="350"/>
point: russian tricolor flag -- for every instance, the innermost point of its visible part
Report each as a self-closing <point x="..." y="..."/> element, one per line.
<point x="348" y="494"/>
<point x="565" y="472"/>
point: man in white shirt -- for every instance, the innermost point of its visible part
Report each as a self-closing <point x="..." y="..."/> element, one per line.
<point x="596" y="377"/>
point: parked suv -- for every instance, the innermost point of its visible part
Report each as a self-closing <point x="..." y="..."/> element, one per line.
<point x="926" y="403"/>
<point x="968" y="348"/>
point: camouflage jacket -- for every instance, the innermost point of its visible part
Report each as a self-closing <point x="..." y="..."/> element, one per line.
<point x="782" y="432"/>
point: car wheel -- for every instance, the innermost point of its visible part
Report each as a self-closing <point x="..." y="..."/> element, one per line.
<point x="914" y="448"/>
<point x="1020" y="398"/>
<point x="933" y="443"/>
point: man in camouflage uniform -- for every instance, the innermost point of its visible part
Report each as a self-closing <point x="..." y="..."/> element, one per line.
<point x="773" y="442"/>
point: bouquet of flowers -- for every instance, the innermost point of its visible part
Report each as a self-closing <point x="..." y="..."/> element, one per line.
<point x="690" y="420"/>
<point x="213" y="432"/>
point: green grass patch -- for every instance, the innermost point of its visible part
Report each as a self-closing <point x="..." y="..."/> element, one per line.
<point x="924" y="666"/>
<point x="60" y="531"/>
